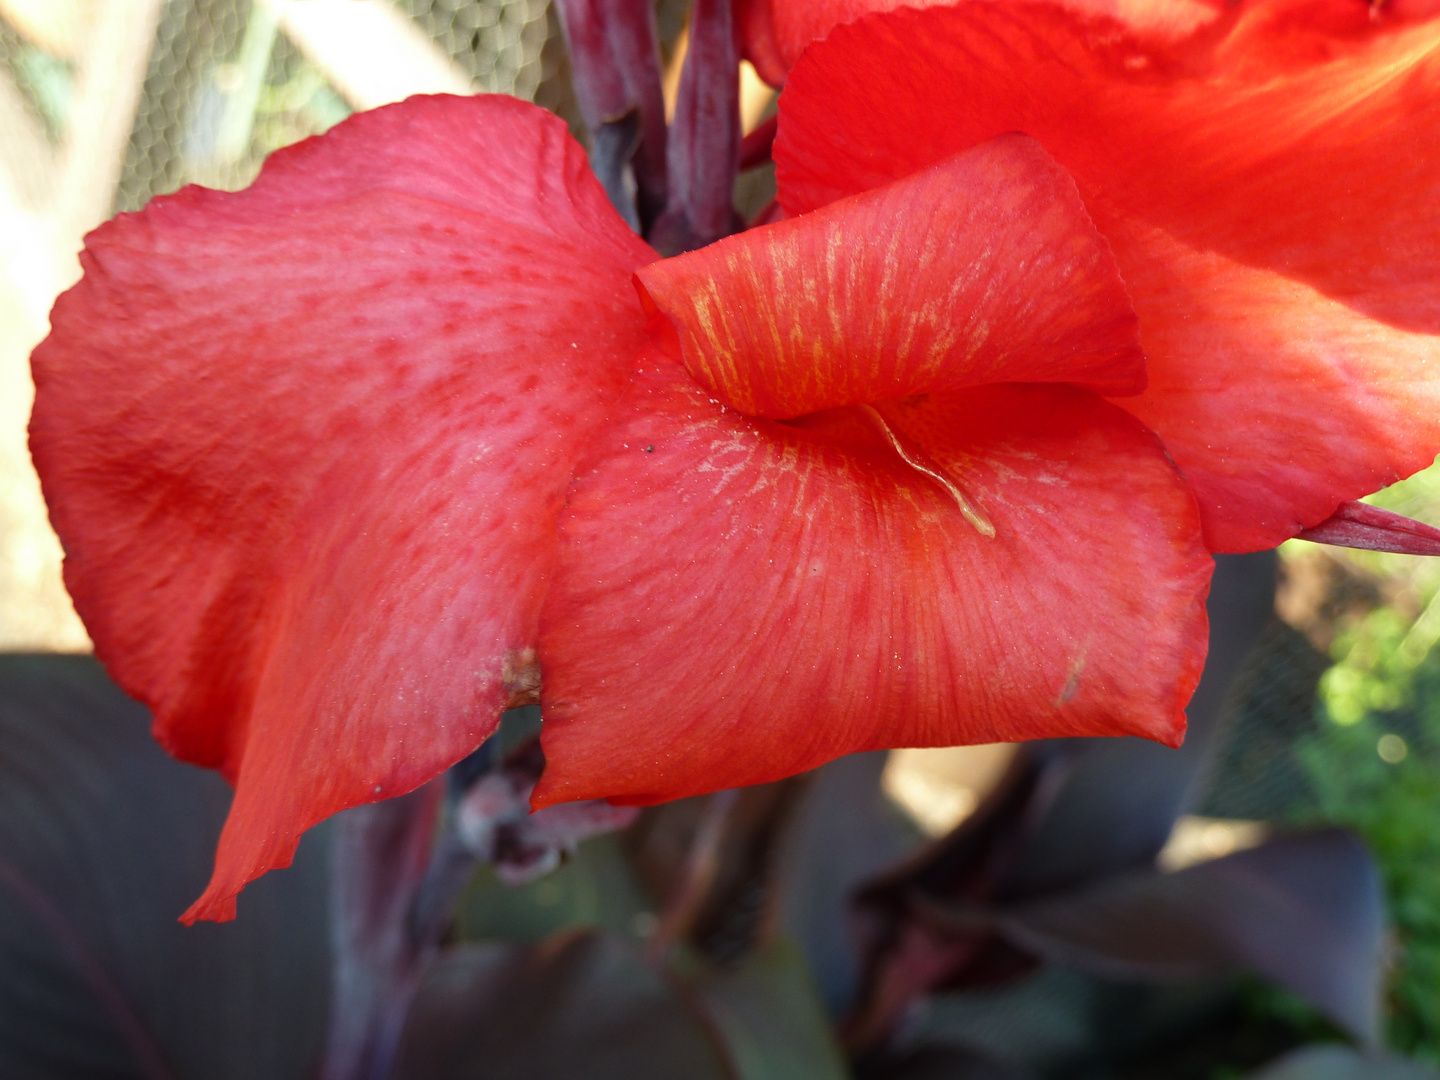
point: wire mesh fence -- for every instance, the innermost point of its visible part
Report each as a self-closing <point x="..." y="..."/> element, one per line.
<point x="105" y="104"/>
<point x="227" y="82"/>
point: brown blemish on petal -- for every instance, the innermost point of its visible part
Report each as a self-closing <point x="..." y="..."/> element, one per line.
<point x="520" y="675"/>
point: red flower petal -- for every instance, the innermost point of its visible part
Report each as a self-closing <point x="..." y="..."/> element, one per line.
<point x="305" y="446"/>
<point x="1268" y="189"/>
<point x="983" y="269"/>
<point x="738" y="600"/>
<point x="777" y="31"/>
<point x="754" y="28"/>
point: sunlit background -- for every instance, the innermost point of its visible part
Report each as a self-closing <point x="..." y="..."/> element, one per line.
<point x="105" y="104"/>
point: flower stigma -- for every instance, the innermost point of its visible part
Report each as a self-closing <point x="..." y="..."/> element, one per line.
<point x="968" y="509"/>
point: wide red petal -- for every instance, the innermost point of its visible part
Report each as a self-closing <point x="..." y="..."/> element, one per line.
<point x="739" y="600"/>
<point x="305" y="446"/>
<point x="982" y="269"/>
<point x="788" y="26"/>
<point x="1268" y="187"/>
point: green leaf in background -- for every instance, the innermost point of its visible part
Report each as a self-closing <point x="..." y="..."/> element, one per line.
<point x="580" y="1004"/>
<point x="1373" y="763"/>
<point x="772" y="1020"/>
<point x="50" y="83"/>
<point x="1342" y="1063"/>
<point x="594" y="888"/>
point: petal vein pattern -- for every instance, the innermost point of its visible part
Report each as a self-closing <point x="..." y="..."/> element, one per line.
<point x="305" y="446"/>
<point x="1267" y="186"/>
<point x="749" y="598"/>
<point x="776" y="32"/>
<point x="984" y="268"/>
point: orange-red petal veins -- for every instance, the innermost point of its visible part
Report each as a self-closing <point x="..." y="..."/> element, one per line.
<point x="739" y="599"/>
<point x="305" y="446"/>
<point x="984" y="268"/>
<point x="1268" y="187"/>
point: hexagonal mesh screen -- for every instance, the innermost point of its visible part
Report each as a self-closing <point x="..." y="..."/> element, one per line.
<point x="105" y="104"/>
<point x="228" y="82"/>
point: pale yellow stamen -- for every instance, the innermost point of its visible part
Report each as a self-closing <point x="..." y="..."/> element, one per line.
<point x="968" y="510"/>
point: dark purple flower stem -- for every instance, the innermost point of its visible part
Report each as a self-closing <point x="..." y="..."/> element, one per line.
<point x="704" y="150"/>
<point x="380" y="858"/>
<point x="1360" y="525"/>
<point x="615" y="68"/>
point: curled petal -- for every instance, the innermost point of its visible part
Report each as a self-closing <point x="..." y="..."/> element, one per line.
<point x="305" y="446"/>
<point x="738" y="600"/>
<point x="1268" y="187"/>
<point x="756" y="32"/>
<point x="985" y="268"/>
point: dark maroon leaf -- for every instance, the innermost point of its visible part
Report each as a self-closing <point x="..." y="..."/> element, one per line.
<point x="1360" y="525"/>
<point x="844" y="830"/>
<point x="1069" y="812"/>
<point x="1060" y="1022"/>
<point x="1305" y="911"/>
<point x="709" y="865"/>
<point x="942" y="1063"/>
<point x="1109" y="804"/>
<point x="580" y="1004"/>
<point x="104" y="841"/>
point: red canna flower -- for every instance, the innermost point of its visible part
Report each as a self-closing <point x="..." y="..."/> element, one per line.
<point x="1267" y="182"/>
<point x="415" y="429"/>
